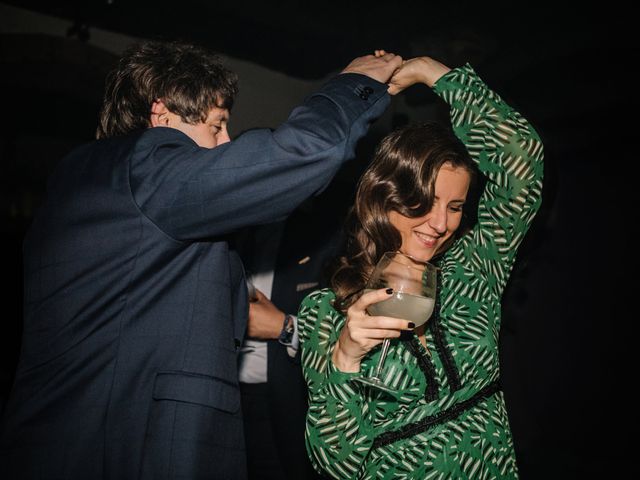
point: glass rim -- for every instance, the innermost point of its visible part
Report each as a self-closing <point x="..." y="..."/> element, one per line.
<point x="411" y="257"/>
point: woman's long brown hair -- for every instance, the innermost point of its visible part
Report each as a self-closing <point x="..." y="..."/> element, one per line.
<point x="401" y="177"/>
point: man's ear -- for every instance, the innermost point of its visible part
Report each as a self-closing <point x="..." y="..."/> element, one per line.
<point x="159" y="114"/>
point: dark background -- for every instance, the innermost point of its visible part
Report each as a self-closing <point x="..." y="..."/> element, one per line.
<point x="566" y="338"/>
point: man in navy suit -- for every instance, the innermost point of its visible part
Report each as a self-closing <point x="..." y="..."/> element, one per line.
<point x="135" y="306"/>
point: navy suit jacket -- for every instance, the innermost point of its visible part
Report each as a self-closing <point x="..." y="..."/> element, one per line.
<point x="134" y="303"/>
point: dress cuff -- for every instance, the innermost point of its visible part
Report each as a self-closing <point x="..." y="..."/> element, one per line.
<point x="454" y="78"/>
<point x="340" y="385"/>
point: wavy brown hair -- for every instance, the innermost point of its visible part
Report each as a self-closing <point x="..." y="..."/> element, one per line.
<point x="189" y="79"/>
<point x="401" y="177"/>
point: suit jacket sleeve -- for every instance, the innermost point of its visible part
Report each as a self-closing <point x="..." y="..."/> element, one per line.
<point x="192" y="192"/>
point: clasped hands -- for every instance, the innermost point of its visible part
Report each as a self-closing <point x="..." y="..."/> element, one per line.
<point x="397" y="73"/>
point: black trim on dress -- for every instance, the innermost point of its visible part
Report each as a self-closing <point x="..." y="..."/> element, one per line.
<point x="426" y="423"/>
<point x="440" y="340"/>
<point x="425" y="364"/>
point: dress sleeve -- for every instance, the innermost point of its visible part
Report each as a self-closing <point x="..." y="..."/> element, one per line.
<point x="339" y="431"/>
<point x="509" y="152"/>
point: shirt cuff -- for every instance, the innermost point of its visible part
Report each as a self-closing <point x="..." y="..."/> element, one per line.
<point x="292" y="349"/>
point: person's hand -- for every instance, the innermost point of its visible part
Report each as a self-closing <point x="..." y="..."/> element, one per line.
<point x="265" y="319"/>
<point x="379" y="67"/>
<point x="416" y="70"/>
<point x="362" y="332"/>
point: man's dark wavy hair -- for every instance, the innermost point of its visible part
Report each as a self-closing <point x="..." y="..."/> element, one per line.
<point x="189" y="79"/>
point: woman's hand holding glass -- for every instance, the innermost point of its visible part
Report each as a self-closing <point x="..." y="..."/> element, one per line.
<point x="362" y="332"/>
<point x="411" y="286"/>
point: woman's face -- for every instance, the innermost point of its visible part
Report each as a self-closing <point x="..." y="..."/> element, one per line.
<point x="423" y="236"/>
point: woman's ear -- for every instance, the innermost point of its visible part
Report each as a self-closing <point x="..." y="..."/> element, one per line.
<point x="159" y="114"/>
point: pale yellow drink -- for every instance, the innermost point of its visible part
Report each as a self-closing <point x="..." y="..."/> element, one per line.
<point x="413" y="308"/>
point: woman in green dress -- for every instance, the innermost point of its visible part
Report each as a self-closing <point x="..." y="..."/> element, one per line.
<point x="448" y="419"/>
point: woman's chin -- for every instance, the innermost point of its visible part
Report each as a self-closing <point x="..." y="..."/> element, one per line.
<point x="424" y="254"/>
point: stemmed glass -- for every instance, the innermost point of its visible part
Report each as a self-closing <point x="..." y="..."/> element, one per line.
<point x="414" y="295"/>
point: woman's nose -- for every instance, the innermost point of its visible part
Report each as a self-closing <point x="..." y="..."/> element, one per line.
<point x="438" y="220"/>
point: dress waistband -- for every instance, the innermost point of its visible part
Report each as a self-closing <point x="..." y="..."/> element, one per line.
<point x="426" y="423"/>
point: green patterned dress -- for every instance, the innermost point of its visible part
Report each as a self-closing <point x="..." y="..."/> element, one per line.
<point x="449" y="420"/>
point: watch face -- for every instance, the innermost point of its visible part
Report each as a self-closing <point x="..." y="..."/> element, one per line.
<point x="285" y="338"/>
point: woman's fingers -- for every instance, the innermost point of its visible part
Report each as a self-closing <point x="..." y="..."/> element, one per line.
<point x="358" y="312"/>
<point x="377" y="334"/>
<point x="368" y="331"/>
<point x="362" y="332"/>
<point x="369" y="298"/>
<point x="383" y="323"/>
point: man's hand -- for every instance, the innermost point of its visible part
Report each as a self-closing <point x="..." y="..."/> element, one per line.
<point x="265" y="319"/>
<point x="380" y="66"/>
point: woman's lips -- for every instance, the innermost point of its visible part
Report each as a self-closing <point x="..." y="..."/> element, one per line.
<point x="426" y="240"/>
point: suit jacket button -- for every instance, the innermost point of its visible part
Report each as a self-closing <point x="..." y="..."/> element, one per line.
<point x="365" y="92"/>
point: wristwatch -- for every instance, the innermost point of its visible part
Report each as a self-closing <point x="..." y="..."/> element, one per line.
<point x="288" y="327"/>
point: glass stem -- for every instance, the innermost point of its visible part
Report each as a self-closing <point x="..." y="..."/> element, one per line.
<point x="383" y="355"/>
